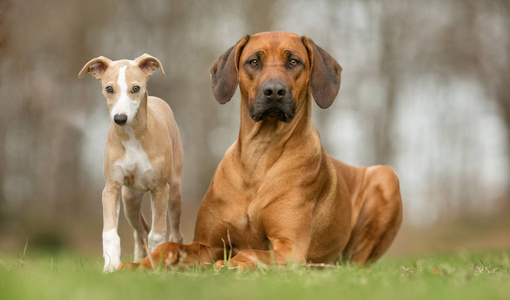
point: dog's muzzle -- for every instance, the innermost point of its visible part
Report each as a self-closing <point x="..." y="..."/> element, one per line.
<point x="274" y="100"/>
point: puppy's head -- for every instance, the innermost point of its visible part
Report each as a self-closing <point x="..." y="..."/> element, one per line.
<point x="124" y="83"/>
<point x="275" y="71"/>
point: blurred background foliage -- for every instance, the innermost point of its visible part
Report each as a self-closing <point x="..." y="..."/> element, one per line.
<point x="425" y="88"/>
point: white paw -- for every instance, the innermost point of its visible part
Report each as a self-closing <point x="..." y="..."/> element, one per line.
<point x="140" y="252"/>
<point x="156" y="239"/>
<point x="111" y="250"/>
<point x="110" y="266"/>
<point x="176" y="237"/>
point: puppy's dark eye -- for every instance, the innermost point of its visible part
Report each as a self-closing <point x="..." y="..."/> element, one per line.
<point x="135" y="89"/>
<point x="293" y="62"/>
<point x="254" y="62"/>
<point x="109" y="89"/>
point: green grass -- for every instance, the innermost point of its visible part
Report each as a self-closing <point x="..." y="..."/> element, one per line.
<point x="464" y="276"/>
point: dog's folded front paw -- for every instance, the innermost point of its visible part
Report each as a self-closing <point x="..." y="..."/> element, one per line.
<point x="128" y="266"/>
<point x="234" y="265"/>
<point x="220" y="264"/>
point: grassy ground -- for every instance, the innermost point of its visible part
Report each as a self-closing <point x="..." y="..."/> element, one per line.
<point x="461" y="276"/>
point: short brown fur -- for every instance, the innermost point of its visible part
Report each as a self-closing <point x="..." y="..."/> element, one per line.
<point x="277" y="196"/>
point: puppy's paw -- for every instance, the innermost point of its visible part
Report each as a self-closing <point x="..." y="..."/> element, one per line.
<point x="176" y="238"/>
<point x="110" y="266"/>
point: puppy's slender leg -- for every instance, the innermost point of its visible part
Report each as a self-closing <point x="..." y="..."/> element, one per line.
<point x="157" y="235"/>
<point x="111" y="239"/>
<point x="133" y="211"/>
<point x="174" y="211"/>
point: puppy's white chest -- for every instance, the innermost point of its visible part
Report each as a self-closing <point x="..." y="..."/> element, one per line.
<point x="135" y="170"/>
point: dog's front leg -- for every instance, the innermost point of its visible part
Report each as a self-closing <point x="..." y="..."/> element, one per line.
<point x="284" y="252"/>
<point x="287" y="223"/>
<point x="111" y="239"/>
<point x="157" y="235"/>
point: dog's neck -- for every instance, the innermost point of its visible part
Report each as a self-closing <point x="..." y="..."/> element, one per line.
<point x="139" y="124"/>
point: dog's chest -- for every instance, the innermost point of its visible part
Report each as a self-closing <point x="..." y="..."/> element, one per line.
<point x="135" y="170"/>
<point x="245" y="227"/>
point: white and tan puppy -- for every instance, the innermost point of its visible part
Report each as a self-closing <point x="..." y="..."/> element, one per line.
<point x="143" y="154"/>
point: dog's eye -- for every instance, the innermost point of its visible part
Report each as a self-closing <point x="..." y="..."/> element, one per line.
<point x="109" y="89"/>
<point x="293" y="62"/>
<point x="135" y="89"/>
<point x="254" y="62"/>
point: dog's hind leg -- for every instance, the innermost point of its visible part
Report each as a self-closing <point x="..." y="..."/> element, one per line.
<point x="158" y="235"/>
<point x="133" y="211"/>
<point x="379" y="218"/>
<point x="174" y="211"/>
<point x="175" y="194"/>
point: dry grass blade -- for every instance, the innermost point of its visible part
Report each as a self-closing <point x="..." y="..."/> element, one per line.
<point x="230" y="245"/>
<point x="320" y="266"/>
<point x="149" y="254"/>
<point x="22" y="261"/>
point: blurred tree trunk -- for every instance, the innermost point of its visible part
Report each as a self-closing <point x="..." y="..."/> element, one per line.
<point x="385" y="120"/>
<point x="494" y="70"/>
<point x="4" y="26"/>
<point x="4" y="33"/>
<point x="260" y="16"/>
<point x="502" y="96"/>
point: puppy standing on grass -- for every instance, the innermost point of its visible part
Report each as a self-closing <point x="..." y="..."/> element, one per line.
<point x="143" y="153"/>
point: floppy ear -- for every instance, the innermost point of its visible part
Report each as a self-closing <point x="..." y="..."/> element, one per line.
<point x="96" y="67"/>
<point x="325" y="74"/>
<point x="149" y="64"/>
<point x="224" y="72"/>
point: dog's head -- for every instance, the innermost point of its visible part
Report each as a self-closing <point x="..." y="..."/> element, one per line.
<point x="124" y="83"/>
<point x="275" y="72"/>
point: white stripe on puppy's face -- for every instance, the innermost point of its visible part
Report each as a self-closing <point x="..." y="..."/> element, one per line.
<point x="124" y="105"/>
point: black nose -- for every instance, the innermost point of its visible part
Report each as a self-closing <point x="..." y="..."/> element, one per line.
<point x="274" y="90"/>
<point x="120" y="119"/>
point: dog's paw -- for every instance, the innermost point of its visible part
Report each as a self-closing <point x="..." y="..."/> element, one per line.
<point x="110" y="266"/>
<point x="128" y="267"/>
<point x="176" y="238"/>
<point x="220" y="264"/>
<point x="234" y="265"/>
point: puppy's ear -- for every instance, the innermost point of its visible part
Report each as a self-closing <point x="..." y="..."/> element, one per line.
<point x="325" y="74"/>
<point x="149" y="64"/>
<point x="96" y="67"/>
<point x="224" y="72"/>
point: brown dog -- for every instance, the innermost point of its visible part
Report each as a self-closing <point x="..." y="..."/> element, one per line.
<point x="276" y="195"/>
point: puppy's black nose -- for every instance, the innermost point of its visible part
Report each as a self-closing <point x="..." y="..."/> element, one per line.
<point x="120" y="119"/>
<point x="274" y="90"/>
